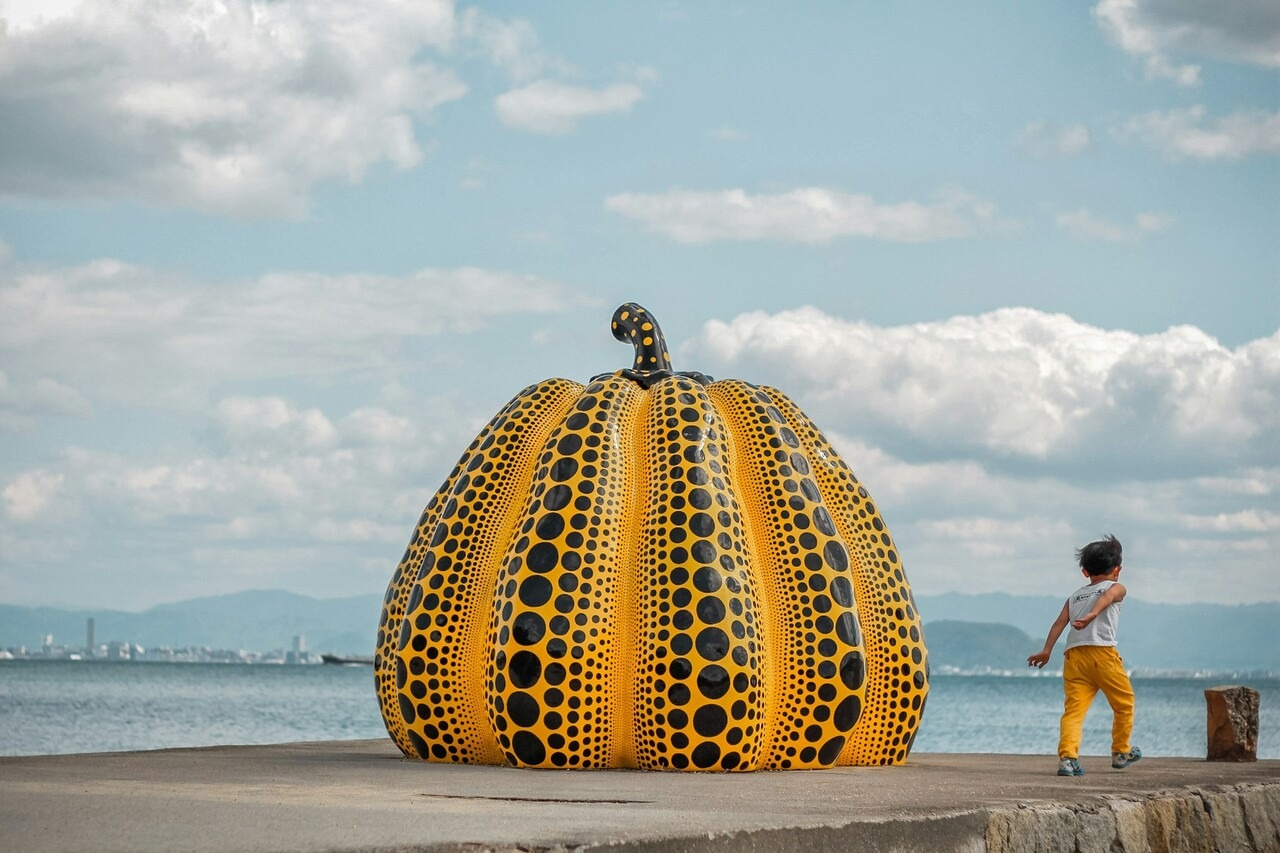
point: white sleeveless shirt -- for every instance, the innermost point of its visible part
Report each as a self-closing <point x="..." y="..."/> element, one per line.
<point x="1102" y="630"/>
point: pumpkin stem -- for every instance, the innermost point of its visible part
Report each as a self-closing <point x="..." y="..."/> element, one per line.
<point x="632" y="324"/>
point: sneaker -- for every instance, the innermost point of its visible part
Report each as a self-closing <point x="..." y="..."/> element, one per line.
<point x="1121" y="760"/>
<point x="1070" y="767"/>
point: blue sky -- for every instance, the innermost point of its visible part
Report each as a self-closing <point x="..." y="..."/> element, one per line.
<point x="266" y="267"/>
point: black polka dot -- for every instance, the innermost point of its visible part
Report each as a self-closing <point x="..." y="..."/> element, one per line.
<point x="702" y="524"/>
<point x="535" y="591"/>
<point x="706" y="579"/>
<point x="706" y="754"/>
<point x="853" y="670"/>
<point x="710" y="720"/>
<point x="525" y="669"/>
<point x="543" y="557"/>
<point x="847" y="713"/>
<point x="523" y="709"/>
<point x="557" y="497"/>
<point x="842" y="592"/>
<point x="528" y="748"/>
<point x="831" y="750"/>
<point x="822" y="519"/>
<point x="528" y="629"/>
<point x="710" y="610"/>
<point x="570" y="444"/>
<point x="713" y="681"/>
<point x="564" y="469"/>
<point x="419" y="745"/>
<point x="550" y="526"/>
<point x="835" y="555"/>
<point x="847" y="629"/>
<point x="713" y="643"/>
<point x="703" y="551"/>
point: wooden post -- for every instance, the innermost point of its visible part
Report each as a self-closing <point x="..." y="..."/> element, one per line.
<point x="1232" y="723"/>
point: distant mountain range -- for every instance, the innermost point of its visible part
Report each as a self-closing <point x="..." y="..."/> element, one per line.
<point x="257" y="620"/>
<point x="965" y="631"/>
<point x="1152" y="636"/>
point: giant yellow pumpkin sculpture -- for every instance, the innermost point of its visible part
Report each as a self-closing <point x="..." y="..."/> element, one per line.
<point x="655" y="571"/>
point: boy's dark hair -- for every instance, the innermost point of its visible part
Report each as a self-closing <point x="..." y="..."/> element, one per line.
<point x="1098" y="558"/>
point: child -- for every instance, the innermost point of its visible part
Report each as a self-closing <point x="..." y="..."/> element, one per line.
<point x="1092" y="663"/>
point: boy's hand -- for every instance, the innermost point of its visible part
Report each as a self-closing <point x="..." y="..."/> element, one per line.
<point x="1079" y="624"/>
<point x="1039" y="659"/>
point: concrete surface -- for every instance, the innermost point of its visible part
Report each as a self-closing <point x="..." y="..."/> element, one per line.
<point x="361" y="795"/>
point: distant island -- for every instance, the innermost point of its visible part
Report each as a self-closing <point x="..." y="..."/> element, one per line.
<point x="991" y="632"/>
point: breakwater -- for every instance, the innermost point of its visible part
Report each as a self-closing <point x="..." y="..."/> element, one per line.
<point x="361" y="795"/>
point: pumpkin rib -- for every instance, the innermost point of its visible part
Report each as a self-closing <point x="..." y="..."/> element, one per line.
<point x="818" y="653"/>
<point x="699" y="687"/>
<point x="897" y="667"/>
<point x="454" y="593"/>
<point x="553" y="656"/>
<point x="406" y="575"/>
<point x="634" y="463"/>
<point x="393" y="604"/>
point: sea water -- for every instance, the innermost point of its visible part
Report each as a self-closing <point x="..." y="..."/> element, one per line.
<point x="49" y="707"/>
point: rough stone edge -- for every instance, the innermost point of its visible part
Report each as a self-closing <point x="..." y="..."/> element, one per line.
<point x="958" y="832"/>
<point x="1221" y="819"/>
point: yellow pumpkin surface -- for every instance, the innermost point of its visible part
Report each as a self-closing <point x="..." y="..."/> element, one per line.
<point x="653" y="571"/>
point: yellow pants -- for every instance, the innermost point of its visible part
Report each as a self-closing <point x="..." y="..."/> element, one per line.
<point x="1087" y="670"/>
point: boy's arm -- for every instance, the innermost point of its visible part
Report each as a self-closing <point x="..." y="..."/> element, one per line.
<point x="1040" y="658"/>
<point x="1111" y="596"/>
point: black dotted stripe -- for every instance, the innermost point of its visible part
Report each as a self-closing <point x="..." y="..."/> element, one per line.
<point x="817" y="648"/>
<point x="700" y="667"/>
<point x="898" y="668"/>
<point x="556" y="669"/>
<point x="441" y="650"/>
<point x="406" y="575"/>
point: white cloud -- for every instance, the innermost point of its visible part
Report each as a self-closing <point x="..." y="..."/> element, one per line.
<point x="21" y="407"/>
<point x="113" y="331"/>
<point x="282" y="495"/>
<point x="1046" y="139"/>
<point x="1017" y="387"/>
<point x="1244" y="31"/>
<point x="1185" y="133"/>
<point x="1251" y="520"/>
<point x="548" y="107"/>
<point x="512" y="45"/>
<point x="31" y="493"/>
<point x="273" y="422"/>
<point x="229" y="106"/>
<point x="962" y="527"/>
<point x="1085" y="225"/>
<point x="27" y="14"/>
<point x="807" y="215"/>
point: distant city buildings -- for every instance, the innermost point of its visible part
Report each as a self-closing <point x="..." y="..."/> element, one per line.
<point x="116" y="650"/>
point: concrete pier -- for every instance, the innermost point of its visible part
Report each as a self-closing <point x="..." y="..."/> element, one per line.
<point x="361" y="795"/>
